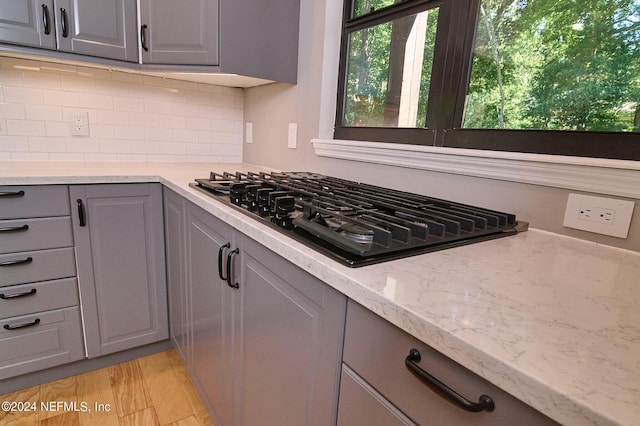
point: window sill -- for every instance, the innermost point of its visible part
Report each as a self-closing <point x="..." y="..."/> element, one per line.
<point x="612" y="177"/>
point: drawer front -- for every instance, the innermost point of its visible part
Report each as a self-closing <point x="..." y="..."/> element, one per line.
<point x="32" y="266"/>
<point x="26" y="299"/>
<point x="376" y="350"/>
<point x="55" y="338"/>
<point x="360" y="404"/>
<point x="33" y="201"/>
<point x="35" y="234"/>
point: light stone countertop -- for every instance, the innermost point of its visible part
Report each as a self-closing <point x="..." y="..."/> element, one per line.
<point x="552" y="320"/>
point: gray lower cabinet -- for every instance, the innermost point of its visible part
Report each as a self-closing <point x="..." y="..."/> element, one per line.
<point x="119" y="238"/>
<point x="263" y="337"/>
<point x="178" y="288"/>
<point x="289" y="341"/>
<point x="378" y="388"/>
<point x="39" y="305"/>
<point x="105" y="29"/>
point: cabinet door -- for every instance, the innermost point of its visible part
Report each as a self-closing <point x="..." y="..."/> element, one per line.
<point x="118" y="231"/>
<point x="211" y="306"/>
<point x="178" y="289"/>
<point x="28" y="22"/>
<point x="290" y="341"/>
<point x="106" y="28"/>
<point x="183" y="33"/>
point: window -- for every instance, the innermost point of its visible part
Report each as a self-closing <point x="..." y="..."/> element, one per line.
<point x="537" y="76"/>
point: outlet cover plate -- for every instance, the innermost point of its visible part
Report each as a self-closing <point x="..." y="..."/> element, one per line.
<point x="584" y="212"/>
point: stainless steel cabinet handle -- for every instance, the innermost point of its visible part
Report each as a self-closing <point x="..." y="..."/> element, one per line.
<point x="230" y="279"/>
<point x="15" y="228"/>
<point x="24" y="325"/>
<point x="17" y="262"/>
<point x="11" y="194"/>
<point x="18" y="295"/>
<point x="46" y="19"/>
<point x="485" y="402"/>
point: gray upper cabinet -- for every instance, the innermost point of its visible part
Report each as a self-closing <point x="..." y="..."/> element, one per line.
<point x="249" y="38"/>
<point x="118" y="232"/>
<point x="104" y="29"/>
<point x="180" y="33"/>
<point x="28" y="23"/>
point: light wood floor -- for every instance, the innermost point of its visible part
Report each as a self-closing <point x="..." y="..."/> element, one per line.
<point x="153" y="390"/>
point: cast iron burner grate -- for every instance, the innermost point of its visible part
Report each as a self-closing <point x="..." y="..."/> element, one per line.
<point x="356" y="223"/>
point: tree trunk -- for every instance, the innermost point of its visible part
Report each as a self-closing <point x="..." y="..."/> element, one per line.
<point x="494" y="42"/>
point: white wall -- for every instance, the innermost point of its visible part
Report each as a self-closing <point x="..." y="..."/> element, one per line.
<point x="272" y="107"/>
<point x="132" y="118"/>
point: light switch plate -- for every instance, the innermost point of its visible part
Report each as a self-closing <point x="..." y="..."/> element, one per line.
<point x="607" y="216"/>
<point x="292" y="140"/>
<point x="248" y="132"/>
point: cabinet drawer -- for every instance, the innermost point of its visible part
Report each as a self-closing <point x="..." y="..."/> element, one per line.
<point x="35" y="234"/>
<point x="360" y="404"/>
<point x="33" y="201"/>
<point x="41" y="265"/>
<point x="43" y="296"/>
<point x="55" y="338"/>
<point x="376" y="350"/>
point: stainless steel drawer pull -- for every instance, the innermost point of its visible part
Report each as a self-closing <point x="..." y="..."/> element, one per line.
<point x="15" y="228"/>
<point x="23" y="325"/>
<point x="11" y="194"/>
<point x="17" y="295"/>
<point x="485" y="403"/>
<point x="17" y="262"/>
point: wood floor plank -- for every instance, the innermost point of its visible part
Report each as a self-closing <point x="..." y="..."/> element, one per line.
<point x="198" y="407"/>
<point x="159" y="376"/>
<point x="146" y="417"/>
<point x="24" y="417"/>
<point x="94" y="388"/>
<point x="67" y="418"/>
<point x="154" y="390"/>
<point x="54" y="393"/>
<point x="189" y="421"/>
<point x="129" y="390"/>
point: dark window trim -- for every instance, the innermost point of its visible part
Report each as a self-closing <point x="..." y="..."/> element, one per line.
<point x="450" y="79"/>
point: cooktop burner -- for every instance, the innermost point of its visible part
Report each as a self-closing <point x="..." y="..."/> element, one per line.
<point x="356" y="223"/>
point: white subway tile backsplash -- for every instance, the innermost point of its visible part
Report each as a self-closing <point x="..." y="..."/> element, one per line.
<point x="22" y="95"/>
<point x="47" y="144"/>
<point x="131" y="117"/>
<point x="25" y="128"/>
<point x="61" y="97"/>
<point x="42" y="112"/>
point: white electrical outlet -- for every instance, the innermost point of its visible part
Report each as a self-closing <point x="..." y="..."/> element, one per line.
<point x="248" y="132"/>
<point x="292" y="140"/>
<point x="608" y="216"/>
<point x="79" y="123"/>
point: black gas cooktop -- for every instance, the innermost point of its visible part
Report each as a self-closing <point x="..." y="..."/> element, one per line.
<point x="356" y="223"/>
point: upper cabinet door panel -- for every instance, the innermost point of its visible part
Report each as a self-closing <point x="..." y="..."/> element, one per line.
<point x="184" y="33"/>
<point x="105" y="28"/>
<point x="29" y="23"/>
